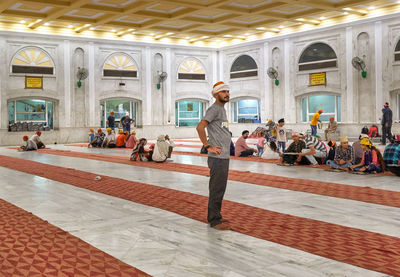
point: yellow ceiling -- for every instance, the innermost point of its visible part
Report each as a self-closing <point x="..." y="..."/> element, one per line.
<point x="206" y="21"/>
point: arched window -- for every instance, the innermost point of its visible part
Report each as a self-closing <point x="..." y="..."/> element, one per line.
<point x="244" y="66"/>
<point x="191" y="69"/>
<point x="120" y="65"/>
<point x="330" y="104"/>
<point x="397" y="52"/>
<point x="32" y="60"/>
<point x="189" y="112"/>
<point x="120" y="108"/>
<point x="30" y="115"/>
<point x="317" y="56"/>
<point x="246" y="111"/>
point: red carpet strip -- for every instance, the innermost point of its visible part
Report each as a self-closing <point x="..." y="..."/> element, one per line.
<point x="30" y="246"/>
<point x="364" y="194"/>
<point x="349" y="245"/>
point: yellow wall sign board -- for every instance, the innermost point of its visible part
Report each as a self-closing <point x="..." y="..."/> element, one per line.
<point x="33" y="82"/>
<point x="318" y="79"/>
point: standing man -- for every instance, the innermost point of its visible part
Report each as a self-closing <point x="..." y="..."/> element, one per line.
<point x="218" y="148"/>
<point x="111" y="121"/>
<point x="314" y="122"/>
<point x="126" y="122"/>
<point x="386" y="123"/>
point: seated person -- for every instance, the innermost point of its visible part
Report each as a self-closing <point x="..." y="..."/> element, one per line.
<point x="358" y="151"/>
<point x="270" y="151"/>
<point x="315" y="149"/>
<point x="372" y="160"/>
<point x="241" y="147"/>
<point x="29" y="146"/>
<point x="391" y="156"/>
<point x="331" y="151"/>
<point x="344" y="156"/>
<point x="121" y="139"/>
<point x="171" y="145"/>
<point x="332" y="126"/>
<point x="98" y="139"/>
<point x="91" y="135"/>
<point x="297" y="146"/>
<point x="36" y="139"/>
<point x="139" y="153"/>
<point x="161" y="149"/>
<point x="131" y="141"/>
<point x="109" y="140"/>
<point x="373" y="131"/>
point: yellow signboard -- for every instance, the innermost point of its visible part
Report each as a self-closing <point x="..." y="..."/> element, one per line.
<point x="33" y="82"/>
<point x="318" y="79"/>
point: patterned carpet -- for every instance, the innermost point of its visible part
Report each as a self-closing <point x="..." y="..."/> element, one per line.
<point x="30" y="246"/>
<point x="349" y="245"/>
<point x="364" y="194"/>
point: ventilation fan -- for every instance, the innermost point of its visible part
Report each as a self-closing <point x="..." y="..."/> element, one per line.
<point x="359" y="64"/>
<point x="273" y="74"/>
<point x="161" y="78"/>
<point x="82" y="74"/>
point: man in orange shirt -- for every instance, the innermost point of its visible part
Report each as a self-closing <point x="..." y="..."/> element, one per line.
<point x="121" y="139"/>
<point x="314" y="122"/>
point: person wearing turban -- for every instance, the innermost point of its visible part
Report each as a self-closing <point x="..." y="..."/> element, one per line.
<point x="109" y="140"/>
<point x="332" y="126"/>
<point x="37" y="140"/>
<point x="372" y="160"/>
<point x="161" y="150"/>
<point x="218" y="147"/>
<point x="30" y="144"/>
<point x="344" y="155"/>
<point x="314" y="122"/>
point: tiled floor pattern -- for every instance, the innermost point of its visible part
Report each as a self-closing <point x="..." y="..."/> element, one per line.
<point x="30" y="246"/>
<point x="354" y="246"/>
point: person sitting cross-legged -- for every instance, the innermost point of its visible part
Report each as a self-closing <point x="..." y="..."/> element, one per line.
<point x="98" y="139"/>
<point x="29" y="146"/>
<point x="241" y="147"/>
<point x="131" y="141"/>
<point x="289" y="157"/>
<point x="139" y="153"/>
<point x="344" y="156"/>
<point x="391" y="156"/>
<point x="372" y="160"/>
<point x="161" y="150"/>
<point x="121" y="139"/>
<point x="37" y="140"/>
<point x="109" y="140"/>
<point x="315" y="149"/>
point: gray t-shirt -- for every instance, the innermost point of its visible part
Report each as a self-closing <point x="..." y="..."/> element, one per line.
<point x="218" y="131"/>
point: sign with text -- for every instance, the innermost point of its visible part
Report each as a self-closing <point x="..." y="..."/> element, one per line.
<point x="318" y="79"/>
<point x="33" y="82"/>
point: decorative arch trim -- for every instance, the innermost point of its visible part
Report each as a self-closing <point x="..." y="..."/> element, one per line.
<point x="191" y="69"/>
<point x="120" y="65"/>
<point x="317" y="55"/>
<point x="243" y="66"/>
<point x="32" y="60"/>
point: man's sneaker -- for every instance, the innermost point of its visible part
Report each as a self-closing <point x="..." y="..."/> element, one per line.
<point x="221" y="227"/>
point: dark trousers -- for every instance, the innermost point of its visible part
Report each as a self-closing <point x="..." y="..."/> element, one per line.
<point x="219" y="169"/>
<point x="386" y="133"/>
<point x="247" y="153"/>
<point x="394" y="169"/>
<point x="170" y="149"/>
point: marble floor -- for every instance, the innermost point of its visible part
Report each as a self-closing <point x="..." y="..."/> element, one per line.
<point x="162" y="243"/>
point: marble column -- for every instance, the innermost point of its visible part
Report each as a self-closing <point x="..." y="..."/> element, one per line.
<point x="379" y="94"/>
<point x="147" y="104"/>
<point x="67" y="83"/>
<point x="266" y="111"/>
<point x="92" y="89"/>
<point x="168" y="87"/>
<point x="288" y="110"/>
<point x="348" y="102"/>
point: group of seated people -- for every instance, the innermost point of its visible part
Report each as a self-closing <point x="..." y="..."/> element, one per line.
<point x="158" y="152"/>
<point x="32" y="143"/>
<point x="110" y="140"/>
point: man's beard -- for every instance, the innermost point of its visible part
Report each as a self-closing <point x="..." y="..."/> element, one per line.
<point x="222" y="99"/>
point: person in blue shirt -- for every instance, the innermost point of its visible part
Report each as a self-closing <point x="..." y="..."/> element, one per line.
<point x="391" y="156"/>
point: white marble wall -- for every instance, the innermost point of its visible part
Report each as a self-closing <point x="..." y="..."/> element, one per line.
<point x="79" y="108"/>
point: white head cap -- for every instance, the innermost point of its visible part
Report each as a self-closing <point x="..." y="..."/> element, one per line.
<point x="219" y="86"/>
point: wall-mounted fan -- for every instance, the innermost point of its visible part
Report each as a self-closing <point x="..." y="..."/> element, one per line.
<point x="359" y="64"/>
<point x="81" y="74"/>
<point x="273" y="74"/>
<point x="162" y="76"/>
